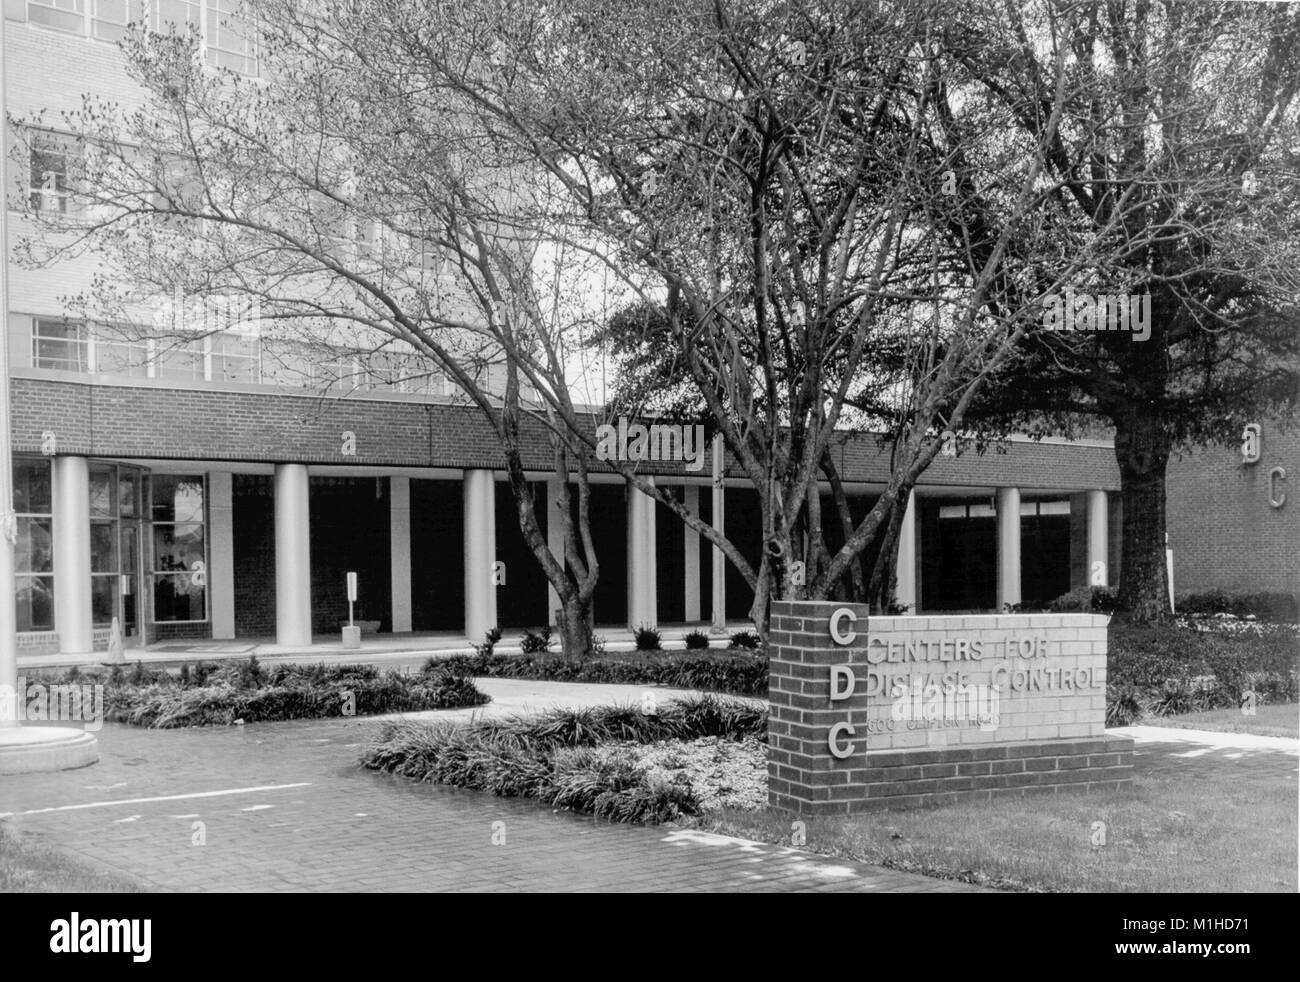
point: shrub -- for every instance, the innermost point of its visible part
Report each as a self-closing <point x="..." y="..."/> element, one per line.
<point x="1177" y="670"/>
<point x="1086" y="600"/>
<point x="647" y="639"/>
<point x="697" y="641"/>
<point x="1274" y="607"/>
<point x="745" y="639"/>
<point x="297" y="692"/>
<point x="138" y="675"/>
<point x="554" y="757"/>
<point x="1123" y="705"/>
<point x="249" y="675"/>
<point x="184" y="674"/>
<point x="490" y="640"/>
<point x="201" y="672"/>
<point x="536" y="642"/>
<point x="116" y="676"/>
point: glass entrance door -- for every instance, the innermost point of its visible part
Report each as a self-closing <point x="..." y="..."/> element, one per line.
<point x="131" y="594"/>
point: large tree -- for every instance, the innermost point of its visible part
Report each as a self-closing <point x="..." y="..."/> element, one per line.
<point x="765" y="179"/>
<point x="1182" y="117"/>
<point x="346" y="215"/>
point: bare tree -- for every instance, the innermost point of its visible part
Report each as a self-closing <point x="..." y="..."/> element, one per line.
<point x="348" y="216"/>
<point x="767" y="179"/>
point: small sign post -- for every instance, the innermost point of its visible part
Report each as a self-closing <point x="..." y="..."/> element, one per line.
<point x="352" y="633"/>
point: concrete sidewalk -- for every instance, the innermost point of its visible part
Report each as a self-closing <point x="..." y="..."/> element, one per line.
<point x="1208" y="738"/>
<point x="523" y="697"/>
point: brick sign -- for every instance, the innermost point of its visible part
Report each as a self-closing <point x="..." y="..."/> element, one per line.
<point x="894" y="711"/>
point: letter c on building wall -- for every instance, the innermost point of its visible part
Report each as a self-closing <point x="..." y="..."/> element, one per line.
<point x="840" y="750"/>
<point x="1274" y="498"/>
<point x="843" y="637"/>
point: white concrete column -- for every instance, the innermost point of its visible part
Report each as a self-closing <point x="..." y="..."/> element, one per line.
<point x="905" y="591"/>
<point x="1098" y="541"/>
<point x="221" y="553"/>
<point x="1008" y="546"/>
<point x="554" y="541"/>
<point x="480" y="554"/>
<point x="642" y="592"/>
<point x="399" y="546"/>
<point x="72" y="614"/>
<point x="691" y="545"/>
<point x="292" y="555"/>
<point x="719" y="571"/>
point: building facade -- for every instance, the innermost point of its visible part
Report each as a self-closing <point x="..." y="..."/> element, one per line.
<point x="223" y="488"/>
<point x="1233" y="516"/>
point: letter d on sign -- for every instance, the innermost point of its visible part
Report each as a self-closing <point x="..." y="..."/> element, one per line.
<point x="840" y="636"/>
<point x="842" y="682"/>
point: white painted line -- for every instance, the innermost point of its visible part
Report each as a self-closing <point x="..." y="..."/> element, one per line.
<point x="256" y="808"/>
<point x="165" y="797"/>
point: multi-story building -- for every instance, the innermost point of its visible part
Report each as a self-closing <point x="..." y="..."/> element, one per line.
<point x="203" y="490"/>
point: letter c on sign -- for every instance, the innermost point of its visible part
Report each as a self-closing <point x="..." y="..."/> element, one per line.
<point x="840" y="751"/>
<point x="1274" y="498"/>
<point x="843" y="637"/>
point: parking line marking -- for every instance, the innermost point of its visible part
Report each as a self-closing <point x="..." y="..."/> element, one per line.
<point x="165" y="797"/>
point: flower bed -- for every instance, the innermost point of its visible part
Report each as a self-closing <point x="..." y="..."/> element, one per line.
<point x="249" y="693"/>
<point x="611" y="761"/>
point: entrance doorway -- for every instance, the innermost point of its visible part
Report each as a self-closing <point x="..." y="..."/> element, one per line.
<point x="116" y="556"/>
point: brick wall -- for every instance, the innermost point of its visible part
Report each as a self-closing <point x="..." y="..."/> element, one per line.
<point x="209" y="423"/>
<point x="940" y="708"/>
<point x="1224" y="533"/>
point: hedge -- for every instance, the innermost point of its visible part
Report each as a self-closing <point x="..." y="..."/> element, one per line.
<point x="736" y="673"/>
<point x="1167" y="671"/>
<point x="204" y="697"/>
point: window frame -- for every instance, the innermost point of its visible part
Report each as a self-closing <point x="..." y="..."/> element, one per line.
<point x="83" y="343"/>
<point x="26" y="518"/>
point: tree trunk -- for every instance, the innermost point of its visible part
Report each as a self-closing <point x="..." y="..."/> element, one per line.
<point x="1142" y="449"/>
<point x="577" y="628"/>
<point x="884" y="572"/>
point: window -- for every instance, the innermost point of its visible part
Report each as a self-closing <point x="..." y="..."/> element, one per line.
<point x="339" y="374"/>
<point x="172" y="16"/>
<point x="177" y="359"/>
<point x="230" y="38"/>
<point x="59" y="344"/>
<point x="179" y="577"/>
<point x="63" y="15"/>
<point x="53" y="157"/>
<point x="34" y="551"/>
<point x="110" y="17"/>
<point x="236" y="357"/>
<point x="120" y="351"/>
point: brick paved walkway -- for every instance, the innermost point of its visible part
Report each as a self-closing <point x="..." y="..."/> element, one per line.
<point x="284" y="808"/>
<point x="320" y="823"/>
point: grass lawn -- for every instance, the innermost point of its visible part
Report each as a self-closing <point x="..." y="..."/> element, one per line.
<point x="26" y="866"/>
<point x="1221" y="832"/>
<point x="1278" y="720"/>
